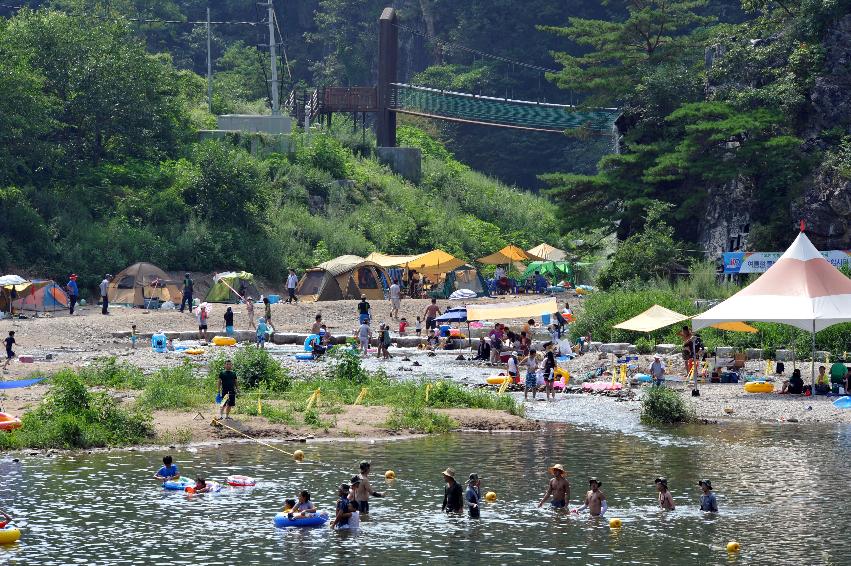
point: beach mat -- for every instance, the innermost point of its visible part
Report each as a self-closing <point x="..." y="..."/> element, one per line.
<point x="19" y="383"/>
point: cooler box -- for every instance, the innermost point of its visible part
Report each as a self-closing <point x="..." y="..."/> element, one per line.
<point x="545" y="319"/>
<point x="444" y="330"/>
<point x="274" y="299"/>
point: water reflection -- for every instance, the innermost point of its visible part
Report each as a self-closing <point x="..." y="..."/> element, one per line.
<point x="774" y="491"/>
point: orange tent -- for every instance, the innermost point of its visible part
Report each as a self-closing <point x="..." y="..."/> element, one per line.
<point x="508" y="254"/>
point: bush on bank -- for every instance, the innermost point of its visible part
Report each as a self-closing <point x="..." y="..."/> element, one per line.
<point x="661" y="405"/>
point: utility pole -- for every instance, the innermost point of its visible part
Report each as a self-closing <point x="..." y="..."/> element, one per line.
<point x="273" y="61"/>
<point x="209" y="67"/>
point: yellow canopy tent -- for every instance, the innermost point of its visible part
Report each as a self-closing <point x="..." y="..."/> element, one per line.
<point x="547" y="252"/>
<point x="736" y="327"/>
<point x="505" y="311"/>
<point x="507" y="255"/>
<point x="434" y="262"/>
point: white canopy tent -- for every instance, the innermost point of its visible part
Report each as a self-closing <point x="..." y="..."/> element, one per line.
<point x="802" y="289"/>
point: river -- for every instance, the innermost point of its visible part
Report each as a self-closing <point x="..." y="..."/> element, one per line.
<point x="781" y="493"/>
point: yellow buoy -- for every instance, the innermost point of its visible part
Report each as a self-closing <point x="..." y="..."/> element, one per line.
<point x="733" y="546"/>
<point x="390" y="475"/>
<point x="490" y="497"/>
<point x="615" y="523"/>
<point x="298" y="455"/>
<point x="9" y="534"/>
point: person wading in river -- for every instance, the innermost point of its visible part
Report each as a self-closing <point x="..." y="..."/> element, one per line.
<point x="666" y="501"/>
<point x="558" y="488"/>
<point x="707" y="500"/>
<point x="362" y="491"/>
<point x="453" y="497"/>
<point x="595" y="500"/>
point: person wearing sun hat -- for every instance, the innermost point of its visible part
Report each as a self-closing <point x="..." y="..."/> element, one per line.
<point x="708" y="502"/>
<point x="666" y="501"/>
<point x="558" y="488"/>
<point x="595" y="499"/>
<point x="473" y="495"/>
<point x="453" y="498"/>
<point x="73" y="292"/>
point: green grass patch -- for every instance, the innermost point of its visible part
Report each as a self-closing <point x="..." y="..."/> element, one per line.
<point x="662" y="405"/>
<point x="176" y="388"/>
<point x="271" y="412"/>
<point x="72" y="416"/>
<point x="420" y="419"/>
<point x="109" y="372"/>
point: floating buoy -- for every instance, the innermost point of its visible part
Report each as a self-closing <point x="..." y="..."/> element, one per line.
<point x="390" y="475"/>
<point x="615" y="523"/>
<point x="298" y="455"/>
<point x="733" y="546"/>
<point x="490" y="497"/>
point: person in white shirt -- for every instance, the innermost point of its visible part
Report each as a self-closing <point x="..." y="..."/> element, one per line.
<point x="364" y="334"/>
<point x="395" y="299"/>
<point x="104" y="293"/>
<point x="292" y="283"/>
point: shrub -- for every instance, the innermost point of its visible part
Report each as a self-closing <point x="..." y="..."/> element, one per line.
<point x="644" y="345"/>
<point x="420" y="419"/>
<point x="254" y="367"/>
<point x="108" y="372"/>
<point x="346" y="365"/>
<point x="71" y="416"/>
<point x="661" y="405"/>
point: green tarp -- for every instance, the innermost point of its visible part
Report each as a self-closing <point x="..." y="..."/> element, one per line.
<point x="557" y="270"/>
<point x="224" y="285"/>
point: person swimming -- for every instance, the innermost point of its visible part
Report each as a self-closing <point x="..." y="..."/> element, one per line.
<point x="304" y="507"/>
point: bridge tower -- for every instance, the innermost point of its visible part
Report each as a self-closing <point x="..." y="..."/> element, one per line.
<point x="388" y="56"/>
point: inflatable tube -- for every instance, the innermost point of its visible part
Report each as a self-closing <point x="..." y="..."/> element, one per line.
<point x="304" y="356"/>
<point x="9" y="534"/>
<point x="193" y="351"/>
<point x="759" y="387"/>
<point x="308" y="342"/>
<point x="241" y="481"/>
<point x="843" y="403"/>
<point x="181" y="348"/>
<point x="282" y="521"/>
<point x="601" y="386"/>
<point x="214" y="486"/>
<point x="497" y="379"/>
<point x="644" y="378"/>
<point x="179" y="484"/>
<point x="9" y="422"/>
<point x="224" y="341"/>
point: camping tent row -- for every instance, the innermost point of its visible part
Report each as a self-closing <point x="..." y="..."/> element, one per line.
<point x="449" y="273"/>
<point x="38" y="295"/>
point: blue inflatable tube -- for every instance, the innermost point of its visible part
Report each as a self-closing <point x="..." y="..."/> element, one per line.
<point x="304" y="356"/>
<point x="282" y="521"/>
<point x="179" y="484"/>
<point x="843" y="403"/>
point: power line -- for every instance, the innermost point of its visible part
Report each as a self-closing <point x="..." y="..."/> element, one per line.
<point x="145" y="20"/>
<point x="476" y="51"/>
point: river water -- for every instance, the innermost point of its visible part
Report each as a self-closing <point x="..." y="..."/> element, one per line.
<point x="781" y="493"/>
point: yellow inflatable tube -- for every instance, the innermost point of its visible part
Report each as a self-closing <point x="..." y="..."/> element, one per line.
<point x="497" y="379"/>
<point x="224" y="341"/>
<point x="9" y="534"/>
<point x="759" y="387"/>
<point x="194" y="351"/>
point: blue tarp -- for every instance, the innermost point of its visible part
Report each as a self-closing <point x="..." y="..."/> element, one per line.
<point x="19" y="383"/>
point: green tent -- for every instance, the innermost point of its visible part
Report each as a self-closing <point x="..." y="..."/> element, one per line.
<point x="227" y="285"/>
<point x="556" y="270"/>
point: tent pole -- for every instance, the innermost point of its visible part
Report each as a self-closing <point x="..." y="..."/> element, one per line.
<point x="813" y="366"/>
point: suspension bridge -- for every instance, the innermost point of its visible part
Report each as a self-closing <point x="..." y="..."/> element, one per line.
<point x="389" y="98"/>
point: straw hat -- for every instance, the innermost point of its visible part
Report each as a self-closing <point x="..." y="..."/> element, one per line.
<point x="450" y="472"/>
<point x="559" y="467"/>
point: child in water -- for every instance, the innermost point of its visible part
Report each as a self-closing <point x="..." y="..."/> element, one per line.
<point x="288" y="505"/>
<point x="201" y="485"/>
<point x="304" y="507"/>
<point x="169" y="470"/>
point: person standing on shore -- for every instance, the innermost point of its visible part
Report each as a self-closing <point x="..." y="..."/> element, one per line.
<point x="249" y="310"/>
<point x="104" y="294"/>
<point x="267" y="311"/>
<point x="364" y="334"/>
<point x="362" y="490"/>
<point x="227" y="390"/>
<point x="473" y="496"/>
<point x="453" y="498"/>
<point x="188" y="290"/>
<point x="531" y="383"/>
<point x="73" y="293"/>
<point x="708" y="503"/>
<point x="595" y="500"/>
<point x="657" y="371"/>
<point x="292" y="283"/>
<point x="666" y="501"/>
<point x="9" y="342"/>
<point x="395" y="299"/>
<point x="431" y="313"/>
<point x="229" y="321"/>
<point x="558" y="488"/>
<point x="363" y="310"/>
<point x="203" y="315"/>
<point x="549" y="375"/>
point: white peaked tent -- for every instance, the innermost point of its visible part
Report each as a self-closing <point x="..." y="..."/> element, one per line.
<point x="802" y="289"/>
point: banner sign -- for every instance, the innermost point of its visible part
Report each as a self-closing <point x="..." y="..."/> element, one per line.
<point x="759" y="262"/>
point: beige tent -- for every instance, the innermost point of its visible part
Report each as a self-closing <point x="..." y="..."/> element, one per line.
<point x="508" y="254"/>
<point x="345" y="277"/>
<point x="507" y="311"/>
<point x="143" y="281"/>
<point x="547" y="252"/>
<point x="657" y="317"/>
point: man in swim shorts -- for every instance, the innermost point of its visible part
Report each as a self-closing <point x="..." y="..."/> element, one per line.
<point x="362" y="490"/>
<point x="558" y="488"/>
<point x="595" y="500"/>
<point x="666" y="501"/>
